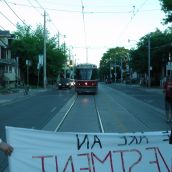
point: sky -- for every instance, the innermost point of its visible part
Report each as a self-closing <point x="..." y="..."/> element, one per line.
<point x="88" y="27"/>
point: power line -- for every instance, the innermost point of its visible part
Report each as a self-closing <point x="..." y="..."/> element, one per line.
<point x="2" y="27"/>
<point x="39" y="4"/>
<point x="134" y="13"/>
<point x="7" y="19"/>
<point x="85" y="33"/>
<point x="78" y="11"/>
<point x="33" y="6"/>
<point x="14" y="12"/>
<point x="47" y="13"/>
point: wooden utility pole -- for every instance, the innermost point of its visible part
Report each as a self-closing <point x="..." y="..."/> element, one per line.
<point x="45" y="75"/>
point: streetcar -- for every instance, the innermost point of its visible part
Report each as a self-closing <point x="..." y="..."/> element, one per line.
<point x="86" y="78"/>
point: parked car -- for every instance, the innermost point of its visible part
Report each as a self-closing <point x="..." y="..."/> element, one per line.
<point x="64" y="83"/>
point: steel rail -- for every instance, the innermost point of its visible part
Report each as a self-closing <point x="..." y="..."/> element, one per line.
<point x="65" y="115"/>
<point x="69" y="109"/>
<point x="99" y="118"/>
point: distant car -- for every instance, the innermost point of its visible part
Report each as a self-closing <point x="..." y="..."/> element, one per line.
<point x="64" y="83"/>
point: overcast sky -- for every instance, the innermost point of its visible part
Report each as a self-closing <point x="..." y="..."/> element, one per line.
<point x="99" y="25"/>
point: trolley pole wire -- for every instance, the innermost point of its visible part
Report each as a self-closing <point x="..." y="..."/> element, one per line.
<point x="85" y="33"/>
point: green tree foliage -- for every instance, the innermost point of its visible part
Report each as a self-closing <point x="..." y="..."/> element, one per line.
<point x="167" y="8"/>
<point x="137" y="58"/>
<point x="160" y="47"/>
<point x="29" y="44"/>
<point x="114" y="56"/>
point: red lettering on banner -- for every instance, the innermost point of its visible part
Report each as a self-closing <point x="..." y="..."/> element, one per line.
<point x="42" y="160"/>
<point x="102" y="161"/>
<point x="89" y="163"/>
<point x="71" y="163"/>
<point x="137" y="161"/>
<point x="122" y="157"/>
<point x="156" y="161"/>
<point x="93" y="162"/>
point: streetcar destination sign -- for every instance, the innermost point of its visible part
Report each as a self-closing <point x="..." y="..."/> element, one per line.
<point x="44" y="151"/>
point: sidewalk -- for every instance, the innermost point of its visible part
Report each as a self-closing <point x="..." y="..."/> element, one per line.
<point x="17" y="94"/>
<point x="151" y="89"/>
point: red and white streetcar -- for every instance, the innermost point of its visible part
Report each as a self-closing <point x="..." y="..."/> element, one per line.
<point x="86" y="78"/>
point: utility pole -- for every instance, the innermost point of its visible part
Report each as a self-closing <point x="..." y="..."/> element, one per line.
<point x="58" y="40"/>
<point x="115" y="71"/>
<point x="86" y="54"/>
<point x="45" y="75"/>
<point x="170" y="64"/>
<point x="149" y="78"/>
<point x="110" y="74"/>
<point x="121" y="71"/>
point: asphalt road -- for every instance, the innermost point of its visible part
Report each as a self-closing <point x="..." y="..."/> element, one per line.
<point x="122" y="109"/>
<point x="31" y="112"/>
<point x="152" y="96"/>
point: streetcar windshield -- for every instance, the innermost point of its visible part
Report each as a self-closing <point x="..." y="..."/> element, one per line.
<point x="86" y="74"/>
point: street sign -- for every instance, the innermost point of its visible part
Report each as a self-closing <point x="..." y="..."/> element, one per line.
<point x="169" y="66"/>
<point x="40" y="62"/>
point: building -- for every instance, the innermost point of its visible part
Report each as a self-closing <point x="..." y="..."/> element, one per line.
<point x="8" y="64"/>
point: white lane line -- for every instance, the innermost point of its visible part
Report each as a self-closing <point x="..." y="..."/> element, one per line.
<point x="53" y="109"/>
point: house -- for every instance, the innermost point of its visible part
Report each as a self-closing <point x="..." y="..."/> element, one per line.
<point x="8" y="64"/>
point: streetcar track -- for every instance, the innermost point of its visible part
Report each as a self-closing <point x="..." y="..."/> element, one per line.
<point x="99" y="118"/>
<point x="68" y="113"/>
<point x="65" y="115"/>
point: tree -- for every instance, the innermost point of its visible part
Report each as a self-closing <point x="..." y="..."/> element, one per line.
<point x="160" y="47"/>
<point x="167" y="8"/>
<point x="29" y="44"/>
<point x="113" y="57"/>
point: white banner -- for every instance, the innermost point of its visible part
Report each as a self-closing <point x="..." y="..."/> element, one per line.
<point x="44" y="151"/>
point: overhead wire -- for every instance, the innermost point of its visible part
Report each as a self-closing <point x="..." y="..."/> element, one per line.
<point x="47" y="14"/>
<point x="2" y="27"/>
<point x="78" y="11"/>
<point x="36" y="8"/>
<point x="14" y="12"/>
<point x="7" y="18"/>
<point x="134" y="13"/>
<point x="41" y="7"/>
<point x="85" y="33"/>
<point x="33" y="6"/>
<point x="39" y="4"/>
